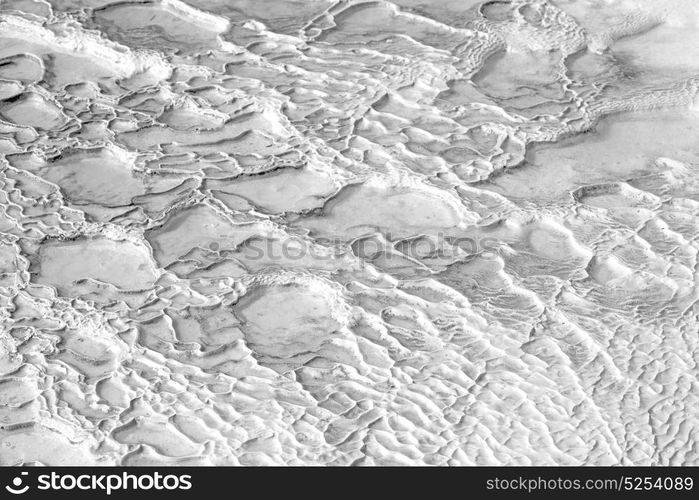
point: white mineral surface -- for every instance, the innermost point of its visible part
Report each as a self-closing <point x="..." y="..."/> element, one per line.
<point x="267" y="232"/>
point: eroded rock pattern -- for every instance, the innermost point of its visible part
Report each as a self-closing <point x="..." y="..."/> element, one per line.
<point x="345" y="232"/>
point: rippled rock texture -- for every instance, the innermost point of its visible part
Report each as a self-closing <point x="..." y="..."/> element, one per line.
<point x="342" y="232"/>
